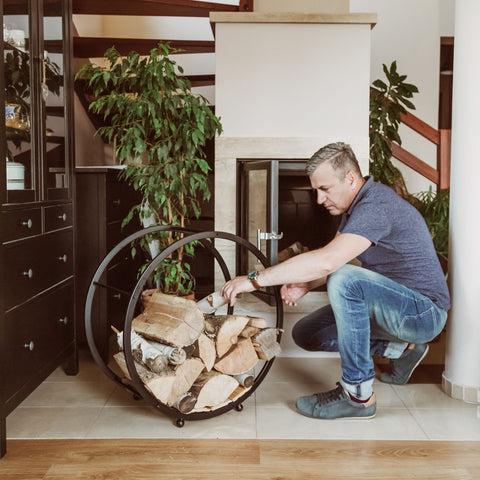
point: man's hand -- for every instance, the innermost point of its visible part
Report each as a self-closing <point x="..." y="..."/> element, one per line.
<point x="235" y="287"/>
<point x="291" y="292"/>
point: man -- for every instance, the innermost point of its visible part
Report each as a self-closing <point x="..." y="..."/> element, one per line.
<point x="392" y="305"/>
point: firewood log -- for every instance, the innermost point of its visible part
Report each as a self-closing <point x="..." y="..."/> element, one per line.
<point x="170" y="320"/>
<point x="212" y="389"/>
<point x="169" y="386"/>
<point x="152" y="354"/>
<point x="265" y="343"/>
<point x="211" y="303"/>
<point x="240" y="359"/>
<point x="205" y="350"/>
<point x="254" y="325"/>
<point x="226" y="329"/>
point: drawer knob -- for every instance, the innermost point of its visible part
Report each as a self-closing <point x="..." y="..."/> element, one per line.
<point x="117" y="295"/>
<point x="63" y="217"/>
<point x="116" y="202"/>
<point x="63" y="320"/>
<point x="63" y="259"/>
<point x="28" y="223"/>
<point x="28" y="273"/>
<point x="29" y="346"/>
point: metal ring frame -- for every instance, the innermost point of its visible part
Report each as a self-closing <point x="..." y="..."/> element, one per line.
<point x="138" y="387"/>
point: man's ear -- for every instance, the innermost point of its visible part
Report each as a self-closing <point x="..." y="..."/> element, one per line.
<point x="351" y="178"/>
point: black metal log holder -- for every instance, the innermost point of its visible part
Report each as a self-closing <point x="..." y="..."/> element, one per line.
<point x="136" y="385"/>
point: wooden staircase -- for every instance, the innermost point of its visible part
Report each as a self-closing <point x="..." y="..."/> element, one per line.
<point x="91" y="47"/>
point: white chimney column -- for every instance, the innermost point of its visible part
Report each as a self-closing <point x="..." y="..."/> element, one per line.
<point x="461" y="378"/>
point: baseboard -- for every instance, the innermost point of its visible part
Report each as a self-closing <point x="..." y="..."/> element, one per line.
<point x="460" y="392"/>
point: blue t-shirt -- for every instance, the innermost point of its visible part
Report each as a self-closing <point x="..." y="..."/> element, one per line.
<point x="402" y="247"/>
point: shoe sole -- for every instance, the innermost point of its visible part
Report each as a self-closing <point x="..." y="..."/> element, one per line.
<point x="337" y="418"/>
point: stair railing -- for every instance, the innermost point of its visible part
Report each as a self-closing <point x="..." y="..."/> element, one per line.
<point x="441" y="138"/>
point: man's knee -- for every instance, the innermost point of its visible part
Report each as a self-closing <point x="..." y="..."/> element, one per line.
<point x="316" y="332"/>
<point x="342" y="278"/>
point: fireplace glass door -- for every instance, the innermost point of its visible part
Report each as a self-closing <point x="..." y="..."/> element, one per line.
<point x="278" y="211"/>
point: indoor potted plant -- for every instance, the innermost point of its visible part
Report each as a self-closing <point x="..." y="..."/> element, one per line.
<point x="159" y="129"/>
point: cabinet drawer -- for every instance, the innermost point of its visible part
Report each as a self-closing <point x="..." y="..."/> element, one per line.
<point x="18" y="224"/>
<point x="115" y="233"/>
<point x="37" y="332"/>
<point x="36" y="265"/>
<point x="120" y="198"/>
<point x="58" y="216"/>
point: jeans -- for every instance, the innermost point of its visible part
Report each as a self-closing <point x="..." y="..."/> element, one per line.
<point x="368" y="314"/>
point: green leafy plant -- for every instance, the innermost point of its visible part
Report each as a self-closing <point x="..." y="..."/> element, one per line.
<point x="160" y="129"/>
<point x="434" y="207"/>
<point x="388" y="100"/>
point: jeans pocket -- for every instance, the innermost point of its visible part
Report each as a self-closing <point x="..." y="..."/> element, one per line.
<point x="422" y="327"/>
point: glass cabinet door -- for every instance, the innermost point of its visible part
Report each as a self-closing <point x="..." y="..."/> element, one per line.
<point x="21" y="173"/>
<point x="55" y="174"/>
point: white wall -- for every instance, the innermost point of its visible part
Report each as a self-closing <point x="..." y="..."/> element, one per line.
<point x="408" y="31"/>
<point x="267" y="86"/>
<point x="447" y="18"/>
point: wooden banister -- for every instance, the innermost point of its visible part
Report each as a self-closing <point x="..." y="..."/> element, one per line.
<point x="415" y="163"/>
<point x="419" y="126"/>
<point x="441" y="138"/>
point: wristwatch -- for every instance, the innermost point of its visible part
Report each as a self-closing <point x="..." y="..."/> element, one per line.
<point x="252" y="276"/>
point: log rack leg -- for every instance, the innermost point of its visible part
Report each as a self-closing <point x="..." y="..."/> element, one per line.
<point x="180" y="422"/>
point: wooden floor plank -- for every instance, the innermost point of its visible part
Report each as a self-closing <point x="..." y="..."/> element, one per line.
<point x="215" y="459"/>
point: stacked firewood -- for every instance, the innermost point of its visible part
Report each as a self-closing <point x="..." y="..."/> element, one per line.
<point x="193" y="360"/>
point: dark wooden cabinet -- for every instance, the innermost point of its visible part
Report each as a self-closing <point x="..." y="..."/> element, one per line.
<point x="37" y="310"/>
<point x="103" y="201"/>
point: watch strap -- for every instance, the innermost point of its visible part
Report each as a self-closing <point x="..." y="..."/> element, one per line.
<point x="252" y="276"/>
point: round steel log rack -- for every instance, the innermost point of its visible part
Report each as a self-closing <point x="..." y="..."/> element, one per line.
<point x="136" y="385"/>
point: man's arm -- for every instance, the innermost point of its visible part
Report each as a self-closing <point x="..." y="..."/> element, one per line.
<point x="306" y="267"/>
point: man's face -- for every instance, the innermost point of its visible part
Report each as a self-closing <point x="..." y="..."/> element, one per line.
<point x="334" y="194"/>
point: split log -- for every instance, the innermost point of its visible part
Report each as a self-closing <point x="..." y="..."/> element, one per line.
<point x="254" y="326"/>
<point x="212" y="389"/>
<point x="265" y="343"/>
<point x="211" y="303"/>
<point x="169" y="386"/>
<point x="239" y="360"/>
<point x="226" y="330"/>
<point x="171" y="320"/>
<point x="205" y="350"/>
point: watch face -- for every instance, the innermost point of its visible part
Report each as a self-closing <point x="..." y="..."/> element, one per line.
<point x="252" y="275"/>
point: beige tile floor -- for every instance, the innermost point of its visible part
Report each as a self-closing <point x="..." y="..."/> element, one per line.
<point x="90" y="405"/>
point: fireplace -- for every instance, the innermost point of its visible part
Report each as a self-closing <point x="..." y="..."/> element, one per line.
<point x="286" y="84"/>
<point x="277" y="210"/>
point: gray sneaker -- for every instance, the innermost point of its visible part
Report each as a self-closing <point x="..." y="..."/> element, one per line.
<point x="403" y="367"/>
<point x="336" y="403"/>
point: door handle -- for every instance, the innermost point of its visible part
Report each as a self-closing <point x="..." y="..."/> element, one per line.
<point x="267" y="236"/>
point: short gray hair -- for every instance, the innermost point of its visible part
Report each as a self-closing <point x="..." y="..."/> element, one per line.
<point x="339" y="155"/>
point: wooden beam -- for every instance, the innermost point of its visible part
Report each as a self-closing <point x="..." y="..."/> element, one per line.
<point x="94" y="47"/>
<point x="443" y="159"/>
<point x="415" y="163"/>
<point x="163" y="8"/>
